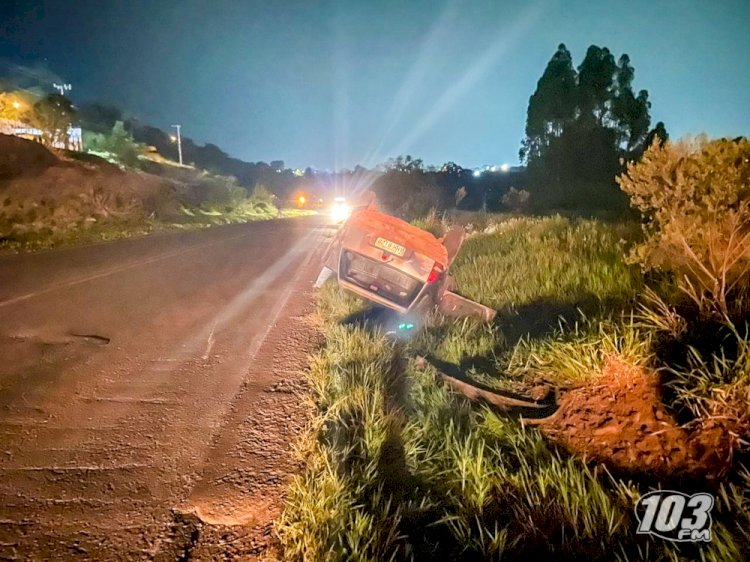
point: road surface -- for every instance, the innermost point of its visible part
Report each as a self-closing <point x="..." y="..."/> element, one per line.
<point x="118" y="365"/>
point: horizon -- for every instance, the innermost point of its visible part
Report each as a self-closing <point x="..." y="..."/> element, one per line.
<point x="335" y="85"/>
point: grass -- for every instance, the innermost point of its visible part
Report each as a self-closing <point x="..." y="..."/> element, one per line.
<point x="109" y="230"/>
<point x="398" y="467"/>
<point x="527" y="261"/>
<point x="573" y="355"/>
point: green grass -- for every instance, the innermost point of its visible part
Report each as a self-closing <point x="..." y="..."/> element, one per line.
<point x="578" y="353"/>
<point x="531" y="260"/>
<point x="398" y="467"/>
<point x="109" y="230"/>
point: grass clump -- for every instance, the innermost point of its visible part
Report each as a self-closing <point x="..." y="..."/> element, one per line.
<point x="575" y="355"/>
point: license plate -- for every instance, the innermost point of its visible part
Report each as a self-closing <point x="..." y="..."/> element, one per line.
<point x="390" y="247"/>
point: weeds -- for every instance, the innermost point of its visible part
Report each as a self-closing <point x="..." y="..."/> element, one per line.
<point x="718" y="385"/>
<point x="110" y="226"/>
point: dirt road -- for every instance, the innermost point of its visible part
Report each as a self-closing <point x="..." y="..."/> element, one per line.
<point x="125" y="370"/>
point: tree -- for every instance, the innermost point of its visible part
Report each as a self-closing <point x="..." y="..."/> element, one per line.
<point x="405" y="164"/>
<point x="53" y="115"/>
<point x="99" y="117"/>
<point x="453" y="169"/>
<point x="658" y="133"/>
<point x="596" y="84"/>
<point x="581" y="125"/>
<point x="118" y="145"/>
<point x="629" y="113"/>
<point x="551" y="105"/>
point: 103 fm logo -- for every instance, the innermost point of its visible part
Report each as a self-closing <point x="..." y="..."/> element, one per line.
<point x="675" y="516"/>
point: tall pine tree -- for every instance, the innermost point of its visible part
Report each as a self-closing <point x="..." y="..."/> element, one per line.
<point x="582" y="125"/>
<point x="552" y="104"/>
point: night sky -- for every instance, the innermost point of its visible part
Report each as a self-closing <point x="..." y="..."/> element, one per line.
<point x="334" y="84"/>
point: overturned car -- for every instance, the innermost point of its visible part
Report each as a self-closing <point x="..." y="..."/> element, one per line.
<point x="396" y="265"/>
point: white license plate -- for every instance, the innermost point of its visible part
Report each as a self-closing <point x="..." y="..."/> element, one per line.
<point x="390" y="247"/>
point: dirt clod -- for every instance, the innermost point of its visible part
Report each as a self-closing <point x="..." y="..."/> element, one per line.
<point x="621" y="422"/>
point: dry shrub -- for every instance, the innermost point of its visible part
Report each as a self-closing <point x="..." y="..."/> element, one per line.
<point x="104" y="203"/>
<point x="695" y="199"/>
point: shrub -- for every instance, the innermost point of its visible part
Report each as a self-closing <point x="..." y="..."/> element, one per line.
<point x="118" y="145"/>
<point x="516" y="199"/>
<point x="221" y="193"/>
<point x="695" y="199"/>
<point x="261" y="194"/>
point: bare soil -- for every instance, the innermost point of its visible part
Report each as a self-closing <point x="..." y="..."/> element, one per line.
<point x="19" y="156"/>
<point x="620" y="421"/>
<point x="41" y="190"/>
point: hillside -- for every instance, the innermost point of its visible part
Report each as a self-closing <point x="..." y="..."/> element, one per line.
<point x="49" y="199"/>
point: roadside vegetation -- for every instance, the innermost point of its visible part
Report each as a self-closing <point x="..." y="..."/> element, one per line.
<point x="638" y="333"/>
<point x="52" y="199"/>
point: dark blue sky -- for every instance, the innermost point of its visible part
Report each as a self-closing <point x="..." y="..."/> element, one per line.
<point x="333" y="84"/>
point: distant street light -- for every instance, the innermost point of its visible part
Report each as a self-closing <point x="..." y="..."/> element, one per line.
<point x="62" y="88"/>
<point x="179" y="142"/>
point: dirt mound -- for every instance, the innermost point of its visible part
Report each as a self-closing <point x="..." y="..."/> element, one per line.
<point x="41" y="191"/>
<point x="22" y="157"/>
<point x="619" y="420"/>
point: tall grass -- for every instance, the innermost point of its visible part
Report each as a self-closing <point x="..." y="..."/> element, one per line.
<point x="404" y="469"/>
<point x="573" y="355"/>
<point x="529" y="260"/>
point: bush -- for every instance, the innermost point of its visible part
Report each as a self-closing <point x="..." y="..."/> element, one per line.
<point x="695" y="199"/>
<point x="118" y="145"/>
<point x="221" y="193"/>
<point x="516" y="199"/>
<point x="261" y="194"/>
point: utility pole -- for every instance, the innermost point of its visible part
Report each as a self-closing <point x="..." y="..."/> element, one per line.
<point x="179" y="142"/>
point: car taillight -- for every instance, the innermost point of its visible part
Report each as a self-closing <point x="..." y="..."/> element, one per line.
<point x="434" y="274"/>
